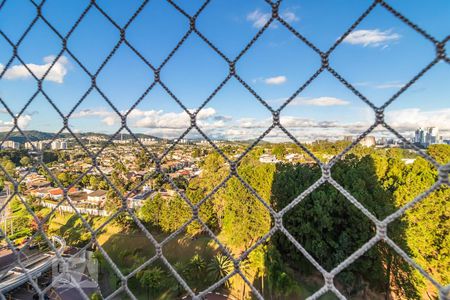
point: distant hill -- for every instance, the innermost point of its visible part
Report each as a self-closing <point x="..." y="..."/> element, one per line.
<point x="126" y="136"/>
<point x="34" y="135"/>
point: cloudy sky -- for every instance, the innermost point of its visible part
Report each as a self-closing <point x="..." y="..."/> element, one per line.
<point x="378" y="58"/>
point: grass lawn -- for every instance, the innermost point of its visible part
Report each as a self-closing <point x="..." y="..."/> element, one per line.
<point x="131" y="249"/>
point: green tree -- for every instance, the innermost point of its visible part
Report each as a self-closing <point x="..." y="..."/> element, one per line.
<point x="150" y="212"/>
<point x="93" y="182"/>
<point x="64" y="178"/>
<point x="325" y="221"/>
<point x="143" y="160"/>
<point x="25" y="161"/>
<point x="280" y="284"/>
<point x="152" y="280"/>
<point x="279" y="150"/>
<point x="168" y="213"/>
<point x="219" y="267"/>
<point x="9" y="166"/>
<point x="197" y="269"/>
<point x="196" y="153"/>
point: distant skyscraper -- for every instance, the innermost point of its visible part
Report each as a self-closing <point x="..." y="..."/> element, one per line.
<point x="427" y="136"/>
<point x="432" y="136"/>
<point x="368" y="141"/>
<point x="419" y="136"/>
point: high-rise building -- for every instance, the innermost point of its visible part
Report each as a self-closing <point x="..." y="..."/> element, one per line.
<point x="38" y="145"/>
<point x="432" y="136"/>
<point x="419" y="136"/>
<point x="59" y="145"/>
<point x="427" y="136"/>
<point x="11" y="145"/>
<point x="368" y="141"/>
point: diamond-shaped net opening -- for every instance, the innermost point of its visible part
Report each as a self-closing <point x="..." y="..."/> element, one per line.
<point x="98" y="209"/>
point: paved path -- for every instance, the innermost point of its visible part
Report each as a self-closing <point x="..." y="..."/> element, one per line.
<point x="13" y="276"/>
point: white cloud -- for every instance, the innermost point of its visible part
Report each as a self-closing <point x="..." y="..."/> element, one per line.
<point x="289" y="16"/>
<point x="381" y="86"/>
<point x="23" y="122"/>
<point x="56" y="74"/>
<point x="91" y="113"/>
<point x="172" y="124"/>
<point x="276" y="80"/>
<point x="154" y="118"/>
<point x="304" y="129"/>
<point x="319" y="101"/>
<point x="108" y="118"/>
<point x="252" y="123"/>
<point x="259" y="18"/>
<point x="411" y="118"/>
<point x="371" y="37"/>
<point x="389" y="85"/>
<point x="160" y="119"/>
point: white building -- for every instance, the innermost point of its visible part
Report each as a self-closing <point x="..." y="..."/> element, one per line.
<point x="148" y="141"/>
<point x="268" y="159"/>
<point x="368" y="141"/>
<point x="38" y="145"/>
<point x="95" y="138"/>
<point x="97" y="197"/>
<point x="11" y="145"/>
<point x="59" y="145"/>
<point x="293" y="156"/>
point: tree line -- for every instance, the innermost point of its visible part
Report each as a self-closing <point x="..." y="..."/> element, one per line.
<point x="325" y="222"/>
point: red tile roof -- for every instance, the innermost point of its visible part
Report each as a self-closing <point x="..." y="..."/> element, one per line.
<point x="58" y="191"/>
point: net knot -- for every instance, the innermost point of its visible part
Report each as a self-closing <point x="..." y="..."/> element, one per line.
<point x="275" y="7"/>
<point x="379" y="115"/>
<point x="440" y="50"/>
<point x="324" y="57"/>
<point x="193" y="118"/>
<point x="233" y="169"/>
<point x="192" y="23"/>
<point x="232" y="67"/>
<point x="444" y="174"/>
<point x="276" y="118"/>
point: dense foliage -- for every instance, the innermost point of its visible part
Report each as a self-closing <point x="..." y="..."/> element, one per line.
<point x="325" y="222"/>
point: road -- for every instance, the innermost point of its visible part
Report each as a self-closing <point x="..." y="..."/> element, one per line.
<point x="13" y="276"/>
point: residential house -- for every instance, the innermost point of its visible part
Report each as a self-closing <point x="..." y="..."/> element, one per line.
<point x="97" y="197"/>
<point x="57" y="193"/>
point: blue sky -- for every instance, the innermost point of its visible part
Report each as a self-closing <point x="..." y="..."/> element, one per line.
<point x="378" y="57"/>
